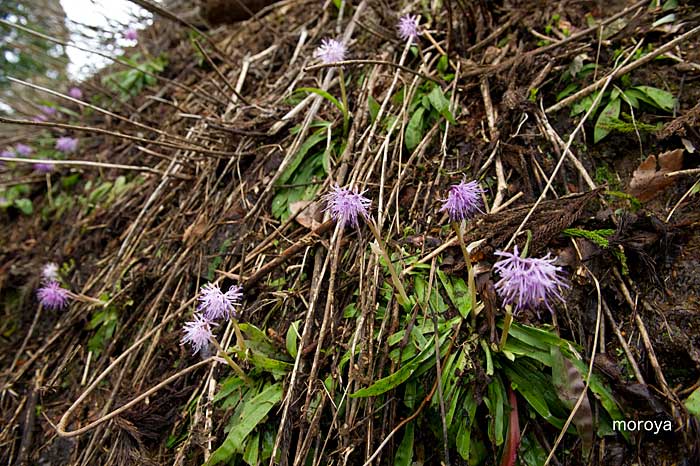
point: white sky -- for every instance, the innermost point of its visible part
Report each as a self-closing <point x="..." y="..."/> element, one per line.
<point x="111" y="17"/>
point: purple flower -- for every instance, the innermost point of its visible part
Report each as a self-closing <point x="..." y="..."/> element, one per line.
<point x="408" y="27"/>
<point x="66" y="144"/>
<point x="463" y="201"/>
<point x="215" y="304"/>
<point x="7" y="153"/>
<point x="52" y="296"/>
<point x="39" y="118"/>
<point x="528" y="282"/>
<point x="23" y="149"/>
<point x="75" y="92"/>
<point x="131" y="34"/>
<point x="49" y="273"/>
<point x="43" y="168"/>
<point x="331" y="51"/>
<point x="197" y="333"/>
<point x="46" y="110"/>
<point x="346" y="205"/>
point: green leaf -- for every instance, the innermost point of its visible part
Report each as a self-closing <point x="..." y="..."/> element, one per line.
<point x="601" y="392"/>
<point x="692" y="403"/>
<point x="494" y="402"/>
<point x="404" y="454"/>
<point x="464" y="431"/>
<point x="250" y="455"/>
<point x="610" y="113"/>
<point x="569" y="385"/>
<point x="695" y="188"/>
<point x="373" y="107"/>
<point x="457" y="291"/>
<point x="316" y="137"/>
<point x="660" y="98"/>
<point x="400" y="376"/>
<point x="324" y="94"/>
<point x="252" y="414"/>
<point x="24" y="205"/>
<point x="669" y="18"/>
<point x="567" y="91"/>
<point x="228" y="386"/>
<point x="629" y="97"/>
<point x="292" y="337"/>
<point x="440" y="103"/>
<point x="414" y="129"/>
<point x="537" y="389"/>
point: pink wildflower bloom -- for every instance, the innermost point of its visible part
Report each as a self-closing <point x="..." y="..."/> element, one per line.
<point x="66" y="144"/>
<point x="197" y="333"/>
<point x="408" y="27"/>
<point x="215" y="304"/>
<point x="49" y="273"/>
<point x="131" y="34"/>
<point x="528" y="282"/>
<point x="52" y="296"/>
<point x="23" y="150"/>
<point x="346" y="205"/>
<point x="331" y="51"/>
<point x="75" y="92"/>
<point x="463" y="201"/>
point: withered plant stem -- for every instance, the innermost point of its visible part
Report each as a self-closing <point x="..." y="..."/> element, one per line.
<point x="403" y="297"/>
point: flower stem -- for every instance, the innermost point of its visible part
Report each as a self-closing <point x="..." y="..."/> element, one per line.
<point x="87" y="299"/>
<point x="403" y="297"/>
<point x="344" y="97"/>
<point x="471" y="283"/>
<point x="230" y="361"/>
<point x="507" y="321"/>
<point x="239" y="335"/>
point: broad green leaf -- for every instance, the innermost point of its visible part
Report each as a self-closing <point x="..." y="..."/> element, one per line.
<point x="692" y="403"/>
<point x="228" y="386"/>
<point x="440" y="103"/>
<point x="569" y="385"/>
<point x="323" y="94"/>
<point x="404" y="454"/>
<point x="414" y="129"/>
<point x="695" y="188"/>
<point x="457" y="291"/>
<point x="463" y="437"/>
<point x="661" y="99"/>
<point x="531" y="452"/>
<point x="316" y="137"/>
<point x="250" y="455"/>
<point x="601" y="392"/>
<point x="494" y="402"/>
<point x="537" y="389"/>
<point x="389" y="382"/>
<point x="567" y="91"/>
<point x="252" y="414"/>
<point x="610" y="114"/>
<point x="24" y="205"/>
<point x="400" y="376"/>
<point x="630" y="98"/>
<point x="292" y="338"/>
<point x="373" y="107"/>
<point x="669" y="18"/>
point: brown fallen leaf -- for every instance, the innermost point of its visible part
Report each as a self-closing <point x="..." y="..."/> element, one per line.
<point x="648" y="179"/>
<point x="310" y="215"/>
